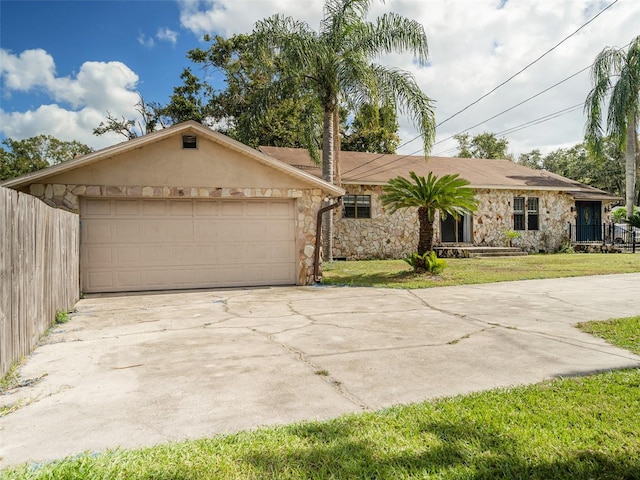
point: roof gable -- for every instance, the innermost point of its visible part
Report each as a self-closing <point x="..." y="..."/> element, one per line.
<point x="255" y="166"/>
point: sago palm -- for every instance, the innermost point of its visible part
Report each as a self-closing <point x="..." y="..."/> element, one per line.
<point x="335" y="63"/>
<point x="448" y="195"/>
<point x="616" y="78"/>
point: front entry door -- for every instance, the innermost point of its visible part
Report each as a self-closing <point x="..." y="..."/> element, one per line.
<point x="588" y="222"/>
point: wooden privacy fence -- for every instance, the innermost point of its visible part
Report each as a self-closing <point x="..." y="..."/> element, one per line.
<point x="39" y="271"/>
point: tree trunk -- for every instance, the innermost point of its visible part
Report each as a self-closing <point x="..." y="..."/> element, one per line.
<point x="425" y="237"/>
<point x="630" y="165"/>
<point x="337" y="144"/>
<point x="327" y="175"/>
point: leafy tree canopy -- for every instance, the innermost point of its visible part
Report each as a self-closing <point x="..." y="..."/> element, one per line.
<point x="240" y="110"/>
<point x="484" y="145"/>
<point x="19" y="157"/>
<point x="152" y="116"/>
<point x="616" y="87"/>
<point x="373" y="129"/>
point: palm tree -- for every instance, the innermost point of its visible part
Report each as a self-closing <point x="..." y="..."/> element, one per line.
<point x="448" y="195"/>
<point x="335" y="64"/>
<point x="623" y="113"/>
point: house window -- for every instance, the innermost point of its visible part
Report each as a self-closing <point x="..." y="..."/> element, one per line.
<point x="526" y="212"/>
<point x="357" y="206"/>
<point x="518" y="213"/>
<point x="532" y="213"/>
<point x="189" y="141"/>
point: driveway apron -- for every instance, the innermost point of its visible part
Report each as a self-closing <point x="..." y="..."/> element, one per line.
<point x="138" y="370"/>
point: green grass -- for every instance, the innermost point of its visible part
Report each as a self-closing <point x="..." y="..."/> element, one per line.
<point x="465" y="271"/>
<point x="577" y="428"/>
<point x="624" y="332"/>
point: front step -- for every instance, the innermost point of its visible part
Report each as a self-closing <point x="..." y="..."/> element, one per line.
<point x="498" y="254"/>
<point x="461" y="251"/>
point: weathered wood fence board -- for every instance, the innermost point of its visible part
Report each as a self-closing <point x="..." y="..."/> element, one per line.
<point x="39" y="271"/>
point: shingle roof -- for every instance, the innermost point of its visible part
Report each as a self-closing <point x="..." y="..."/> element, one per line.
<point x="373" y="169"/>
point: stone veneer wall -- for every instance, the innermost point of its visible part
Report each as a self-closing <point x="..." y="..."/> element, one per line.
<point x="494" y="217"/>
<point x="381" y="236"/>
<point x="395" y="236"/>
<point x="307" y="204"/>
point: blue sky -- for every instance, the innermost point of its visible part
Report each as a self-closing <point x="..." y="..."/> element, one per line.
<point x="73" y="32"/>
<point x="64" y="63"/>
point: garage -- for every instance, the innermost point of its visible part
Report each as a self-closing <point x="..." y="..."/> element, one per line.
<point x="187" y="207"/>
<point x="140" y="244"/>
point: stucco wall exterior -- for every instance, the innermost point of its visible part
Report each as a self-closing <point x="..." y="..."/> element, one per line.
<point x="395" y="236"/>
<point x="307" y="204"/>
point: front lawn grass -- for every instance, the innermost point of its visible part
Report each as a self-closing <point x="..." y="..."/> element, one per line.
<point x="465" y="271"/>
<point x="578" y="428"/>
<point x="623" y="332"/>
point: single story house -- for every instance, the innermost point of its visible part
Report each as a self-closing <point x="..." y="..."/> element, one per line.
<point x="536" y="204"/>
<point x="186" y="207"/>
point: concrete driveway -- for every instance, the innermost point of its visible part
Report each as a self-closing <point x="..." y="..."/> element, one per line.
<point x="144" y="369"/>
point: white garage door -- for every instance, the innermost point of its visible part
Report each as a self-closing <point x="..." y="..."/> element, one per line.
<point x="131" y="244"/>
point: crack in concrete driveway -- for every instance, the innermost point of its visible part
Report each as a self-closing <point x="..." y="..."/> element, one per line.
<point x="141" y="369"/>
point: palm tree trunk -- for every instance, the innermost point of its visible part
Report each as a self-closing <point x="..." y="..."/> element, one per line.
<point x="327" y="175"/>
<point x="425" y="236"/>
<point x="337" y="147"/>
<point x="630" y="165"/>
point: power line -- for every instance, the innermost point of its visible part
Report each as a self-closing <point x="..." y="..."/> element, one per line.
<point x="530" y="123"/>
<point x="502" y="84"/>
<point x="530" y="64"/>
<point x="476" y="125"/>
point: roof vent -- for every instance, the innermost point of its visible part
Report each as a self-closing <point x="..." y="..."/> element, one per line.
<point x="189" y="141"/>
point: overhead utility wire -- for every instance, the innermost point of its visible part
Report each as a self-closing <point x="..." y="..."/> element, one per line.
<point x="530" y="64"/>
<point x="522" y="126"/>
<point x="503" y="83"/>
<point x="476" y="125"/>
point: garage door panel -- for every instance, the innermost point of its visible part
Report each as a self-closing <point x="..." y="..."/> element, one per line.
<point x="157" y="208"/>
<point x="97" y="232"/>
<point x="129" y="208"/>
<point x="98" y="255"/>
<point x="206" y="209"/>
<point x="231" y="208"/>
<point x="279" y="209"/>
<point x="125" y="230"/>
<point x="145" y="244"/>
<point x="97" y="207"/>
<point x="180" y="209"/>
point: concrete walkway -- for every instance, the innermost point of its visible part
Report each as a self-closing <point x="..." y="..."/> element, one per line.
<point x="144" y="369"/>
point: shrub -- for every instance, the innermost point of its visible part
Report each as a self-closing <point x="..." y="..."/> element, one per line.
<point x="634" y="220"/>
<point x="429" y="262"/>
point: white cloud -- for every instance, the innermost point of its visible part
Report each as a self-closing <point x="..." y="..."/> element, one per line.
<point x="30" y="69"/>
<point x="474" y="46"/>
<point x="167" y="35"/>
<point x="97" y="88"/>
<point x="145" y="41"/>
<point x="227" y="17"/>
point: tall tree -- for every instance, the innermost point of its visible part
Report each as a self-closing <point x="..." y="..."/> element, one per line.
<point x="242" y="110"/>
<point x="19" y="157"/>
<point x="189" y="101"/>
<point x="484" y="145"/>
<point x="151" y="116"/>
<point x="374" y="129"/>
<point x="532" y="159"/>
<point x="448" y="195"/>
<point x="616" y="78"/>
<point x="335" y="63"/>
<point x="604" y="171"/>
